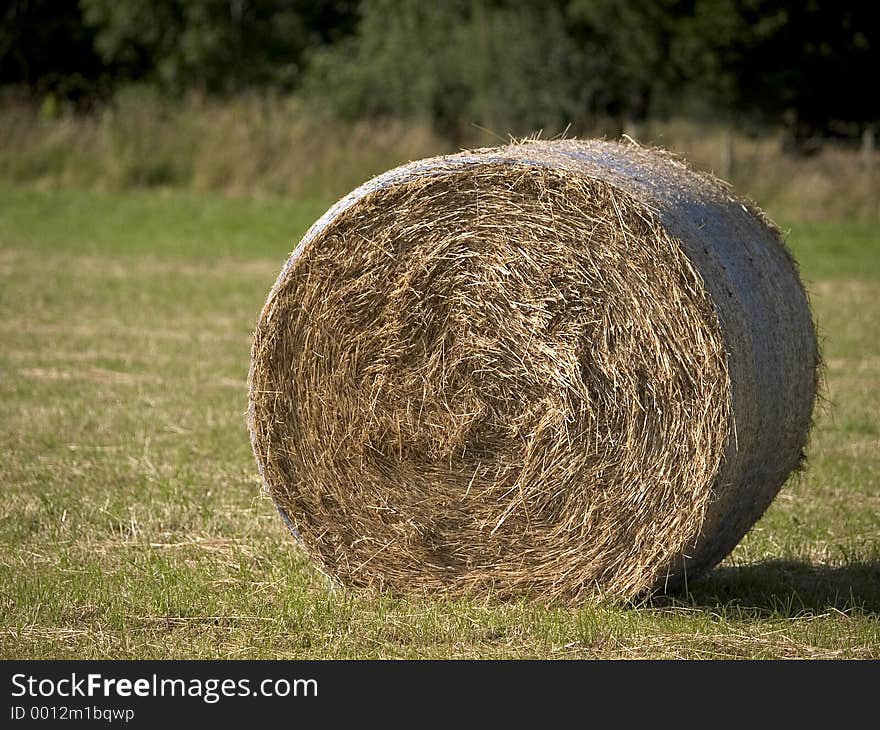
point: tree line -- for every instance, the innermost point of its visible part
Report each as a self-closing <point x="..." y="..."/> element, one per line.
<point x="507" y="65"/>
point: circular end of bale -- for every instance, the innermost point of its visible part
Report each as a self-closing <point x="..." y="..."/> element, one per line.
<point x="498" y="373"/>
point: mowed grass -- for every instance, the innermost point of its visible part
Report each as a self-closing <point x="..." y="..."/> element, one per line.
<point x="131" y="521"/>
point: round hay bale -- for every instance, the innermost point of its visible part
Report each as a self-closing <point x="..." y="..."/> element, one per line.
<point x="561" y="370"/>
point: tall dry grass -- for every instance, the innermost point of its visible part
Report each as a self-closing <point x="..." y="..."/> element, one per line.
<point x="247" y="145"/>
<point x="832" y="184"/>
<point x="280" y="146"/>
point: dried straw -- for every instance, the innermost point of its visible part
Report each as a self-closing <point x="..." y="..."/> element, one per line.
<point x="563" y="370"/>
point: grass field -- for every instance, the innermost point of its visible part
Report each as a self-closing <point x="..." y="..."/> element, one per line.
<point x="131" y="523"/>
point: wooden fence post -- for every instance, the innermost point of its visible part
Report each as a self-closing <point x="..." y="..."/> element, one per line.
<point x="869" y="146"/>
<point x="726" y="167"/>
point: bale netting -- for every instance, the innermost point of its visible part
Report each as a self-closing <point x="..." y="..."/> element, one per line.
<point x="561" y="370"/>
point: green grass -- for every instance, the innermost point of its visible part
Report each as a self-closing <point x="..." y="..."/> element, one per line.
<point x="131" y="523"/>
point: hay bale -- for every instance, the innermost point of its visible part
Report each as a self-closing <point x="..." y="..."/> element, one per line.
<point x="558" y="369"/>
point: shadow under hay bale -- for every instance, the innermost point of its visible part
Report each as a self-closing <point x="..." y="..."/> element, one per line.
<point x="562" y="370"/>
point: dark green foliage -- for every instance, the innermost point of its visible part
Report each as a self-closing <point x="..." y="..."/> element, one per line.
<point x="629" y="46"/>
<point x="45" y="46"/>
<point x="512" y="66"/>
<point x="213" y="45"/>
<point x="812" y="63"/>
<point x="502" y="66"/>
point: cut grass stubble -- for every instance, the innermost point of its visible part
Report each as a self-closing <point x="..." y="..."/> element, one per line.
<point x="129" y="519"/>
